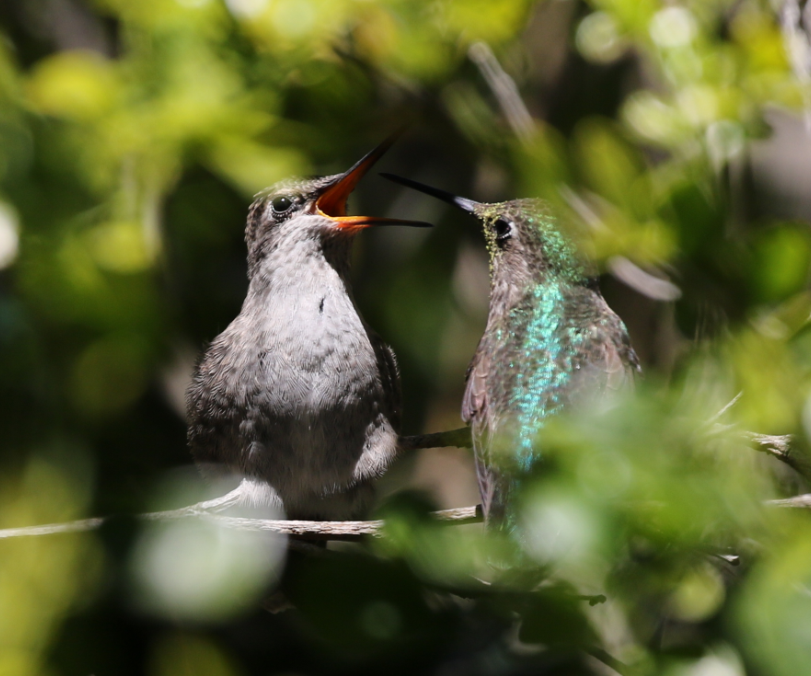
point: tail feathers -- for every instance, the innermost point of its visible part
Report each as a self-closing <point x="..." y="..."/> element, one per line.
<point x="497" y="494"/>
<point x="494" y="486"/>
<point x="498" y="487"/>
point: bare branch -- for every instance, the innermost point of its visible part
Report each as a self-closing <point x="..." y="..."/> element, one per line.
<point x="53" y="528"/>
<point x="779" y="446"/>
<point x="335" y="530"/>
<point x="776" y="445"/>
<point x="798" y="501"/>
<point x="305" y="530"/>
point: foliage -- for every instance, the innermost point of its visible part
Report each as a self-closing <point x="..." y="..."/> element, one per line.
<point x="132" y="136"/>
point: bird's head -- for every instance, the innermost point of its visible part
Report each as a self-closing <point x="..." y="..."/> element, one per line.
<point x="311" y="211"/>
<point x="521" y="234"/>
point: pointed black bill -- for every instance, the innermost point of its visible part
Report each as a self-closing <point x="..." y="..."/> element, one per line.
<point x="462" y="202"/>
<point x="332" y="202"/>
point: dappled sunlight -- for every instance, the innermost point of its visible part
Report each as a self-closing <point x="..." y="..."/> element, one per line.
<point x="201" y="571"/>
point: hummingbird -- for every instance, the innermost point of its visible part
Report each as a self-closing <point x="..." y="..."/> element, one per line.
<point x="298" y="397"/>
<point x="550" y="342"/>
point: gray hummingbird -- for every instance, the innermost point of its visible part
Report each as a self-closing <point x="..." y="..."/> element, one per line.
<point x="551" y="341"/>
<point x="298" y="397"/>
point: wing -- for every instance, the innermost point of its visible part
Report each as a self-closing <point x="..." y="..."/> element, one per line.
<point x="213" y="433"/>
<point x="390" y="376"/>
<point x="494" y="488"/>
<point x="604" y="363"/>
<point x="474" y="402"/>
<point x="475" y="412"/>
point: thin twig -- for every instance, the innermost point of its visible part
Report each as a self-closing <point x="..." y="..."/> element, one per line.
<point x="505" y="91"/>
<point x="726" y="407"/>
<point x="53" y="528"/>
<point x="610" y="661"/>
<point x="460" y="438"/>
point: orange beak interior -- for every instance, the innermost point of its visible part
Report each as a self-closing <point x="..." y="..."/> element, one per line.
<point x="332" y="202"/>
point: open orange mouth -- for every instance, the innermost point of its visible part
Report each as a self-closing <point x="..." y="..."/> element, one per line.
<point x="332" y="202"/>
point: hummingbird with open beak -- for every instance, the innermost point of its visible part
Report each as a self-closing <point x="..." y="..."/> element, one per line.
<point x="298" y="397"/>
<point x="551" y="341"/>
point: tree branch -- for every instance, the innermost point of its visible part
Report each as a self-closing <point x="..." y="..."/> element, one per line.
<point x="53" y="528"/>
<point x="336" y="530"/>
<point x="305" y="530"/>
<point x="779" y="446"/>
<point x="798" y="501"/>
<point x="776" y="445"/>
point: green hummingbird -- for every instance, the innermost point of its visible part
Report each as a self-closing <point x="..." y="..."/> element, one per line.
<point x="551" y="341"/>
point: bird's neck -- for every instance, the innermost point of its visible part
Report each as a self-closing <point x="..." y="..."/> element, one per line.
<point x="517" y="283"/>
<point x="294" y="266"/>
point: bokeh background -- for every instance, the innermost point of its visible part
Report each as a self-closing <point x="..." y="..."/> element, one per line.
<point x="676" y="135"/>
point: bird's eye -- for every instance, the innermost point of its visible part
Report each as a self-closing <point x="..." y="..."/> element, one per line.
<point x="281" y="204"/>
<point x="503" y="229"/>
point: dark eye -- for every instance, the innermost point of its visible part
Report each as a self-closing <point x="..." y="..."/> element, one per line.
<point x="503" y="229"/>
<point x="281" y="204"/>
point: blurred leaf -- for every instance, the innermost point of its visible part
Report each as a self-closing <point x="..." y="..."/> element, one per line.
<point x="781" y="262"/>
<point x="110" y="374"/>
<point x="41" y="578"/>
<point x="187" y="655"/>
<point x="120" y="247"/>
<point x="556" y="621"/>
<point x="611" y="168"/>
<point x="483" y="20"/>
<point x="362" y="607"/>
<point x="78" y="85"/>
<point x="771" y="612"/>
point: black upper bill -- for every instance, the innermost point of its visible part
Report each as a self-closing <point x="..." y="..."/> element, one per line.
<point x="332" y="201"/>
<point x="461" y="202"/>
